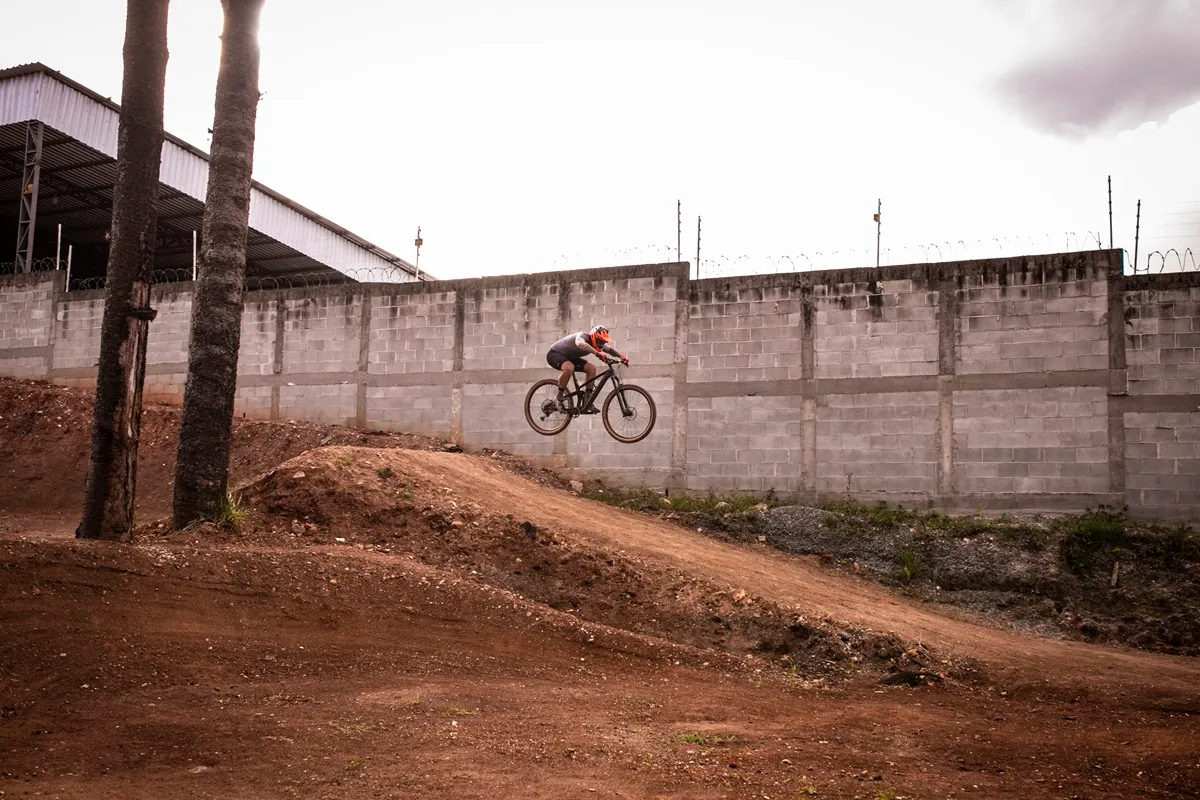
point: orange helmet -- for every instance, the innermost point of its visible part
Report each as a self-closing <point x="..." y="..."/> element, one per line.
<point x="599" y="336"/>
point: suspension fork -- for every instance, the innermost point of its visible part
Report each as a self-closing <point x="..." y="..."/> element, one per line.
<point x="620" y="395"/>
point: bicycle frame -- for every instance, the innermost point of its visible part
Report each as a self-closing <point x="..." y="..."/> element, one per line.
<point x="590" y="395"/>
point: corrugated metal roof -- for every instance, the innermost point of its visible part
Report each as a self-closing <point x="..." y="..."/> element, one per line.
<point x="84" y="151"/>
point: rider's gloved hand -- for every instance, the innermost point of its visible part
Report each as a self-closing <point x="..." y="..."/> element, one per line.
<point x="625" y="360"/>
<point x="603" y="357"/>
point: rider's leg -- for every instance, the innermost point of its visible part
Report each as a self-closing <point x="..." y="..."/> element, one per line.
<point x="564" y="376"/>
<point x="589" y="369"/>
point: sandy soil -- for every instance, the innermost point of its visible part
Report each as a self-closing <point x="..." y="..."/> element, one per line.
<point x="394" y="620"/>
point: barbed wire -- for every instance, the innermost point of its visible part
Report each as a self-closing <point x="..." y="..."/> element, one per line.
<point x="37" y="265"/>
<point x="726" y="265"/>
<point x="1159" y="262"/>
<point x="299" y="280"/>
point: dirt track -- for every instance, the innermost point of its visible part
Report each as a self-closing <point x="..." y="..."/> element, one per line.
<point x="801" y="584"/>
<point x="413" y="659"/>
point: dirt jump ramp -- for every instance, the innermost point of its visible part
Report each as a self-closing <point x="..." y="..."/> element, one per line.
<point x="354" y="491"/>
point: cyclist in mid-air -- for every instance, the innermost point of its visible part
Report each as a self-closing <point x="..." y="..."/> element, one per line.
<point x="568" y="353"/>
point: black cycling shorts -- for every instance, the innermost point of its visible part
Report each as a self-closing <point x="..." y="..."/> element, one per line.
<point x="556" y="360"/>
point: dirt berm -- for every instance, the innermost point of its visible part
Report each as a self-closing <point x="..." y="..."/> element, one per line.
<point x="621" y="568"/>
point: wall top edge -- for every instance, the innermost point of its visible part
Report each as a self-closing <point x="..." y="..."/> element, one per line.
<point x="1041" y="268"/>
<point x="1015" y="270"/>
<point x="1162" y="281"/>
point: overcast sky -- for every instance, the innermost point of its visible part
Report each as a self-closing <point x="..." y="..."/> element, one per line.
<point x="529" y="135"/>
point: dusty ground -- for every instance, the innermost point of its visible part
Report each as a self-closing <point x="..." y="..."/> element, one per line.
<point x="398" y="622"/>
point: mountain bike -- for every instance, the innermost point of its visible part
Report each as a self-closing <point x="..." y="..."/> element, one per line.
<point x="628" y="411"/>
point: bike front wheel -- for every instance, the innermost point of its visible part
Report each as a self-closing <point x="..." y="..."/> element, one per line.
<point x="631" y="417"/>
<point x="542" y="411"/>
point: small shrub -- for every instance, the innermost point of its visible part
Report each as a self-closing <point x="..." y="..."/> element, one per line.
<point x="1179" y="544"/>
<point x="650" y="500"/>
<point x="1088" y="535"/>
<point x="910" y="564"/>
<point x="385" y="472"/>
<point x="881" y="514"/>
<point x="231" y="514"/>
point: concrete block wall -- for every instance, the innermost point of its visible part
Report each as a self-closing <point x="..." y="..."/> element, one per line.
<point x="1050" y="440"/>
<point x="877" y="444"/>
<point x="321" y="333"/>
<point x="1032" y="321"/>
<point x="873" y="329"/>
<point x="493" y="416"/>
<point x="1041" y="382"/>
<point x="640" y="312"/>
<point x="411" y="335"/>
<point x="1163" y="337"/>
<point x="750" y="334"/>
<point x="26" y="323"/>
<point x="77" y="338"/>
<point x="261" y="326"/>
<point x="1162" y="462"/>
<point x="167" y="343"/>
<point x="1162" y="419"/>
<point x="410" y="408"/>
<point x="744" y="443"/>
<point x="508" y="327"/>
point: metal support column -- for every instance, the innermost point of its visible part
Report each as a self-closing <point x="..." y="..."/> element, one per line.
<point x="30" y="178"/>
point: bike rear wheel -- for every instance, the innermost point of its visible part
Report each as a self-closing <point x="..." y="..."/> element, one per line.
<point x="542" y="411"/>
<point x="631" y="418"/>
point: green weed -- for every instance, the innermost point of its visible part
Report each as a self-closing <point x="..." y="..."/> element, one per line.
<point x="385" y="472"/>
<point x="230" y="513"/>
<point x="910" y="564"/>
<point x="881" y="514"/>
<point x="649" y="500"/>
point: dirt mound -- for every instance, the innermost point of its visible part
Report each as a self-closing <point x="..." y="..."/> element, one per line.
<point x="404" y="503"/>
<point x="624" y="569"/>
<point x="45" y="442"/>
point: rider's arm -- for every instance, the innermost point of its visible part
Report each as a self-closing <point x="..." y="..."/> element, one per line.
<point x="583" y="344"/>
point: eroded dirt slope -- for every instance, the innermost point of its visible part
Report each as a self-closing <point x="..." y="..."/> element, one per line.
<point x="342" y="490"/>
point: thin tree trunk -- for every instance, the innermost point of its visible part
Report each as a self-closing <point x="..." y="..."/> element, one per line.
<point x="202" y="467"/>
<point x="117" y="420"/>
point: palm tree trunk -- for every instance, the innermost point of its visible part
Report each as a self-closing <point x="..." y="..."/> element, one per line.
<point x="202" y="467"/>
<point x="117" y="419"/>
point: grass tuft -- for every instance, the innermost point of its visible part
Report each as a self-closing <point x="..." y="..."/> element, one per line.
<point x="230" y="513"/>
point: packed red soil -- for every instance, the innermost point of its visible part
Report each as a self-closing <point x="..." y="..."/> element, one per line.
<point x="395" y="620"/>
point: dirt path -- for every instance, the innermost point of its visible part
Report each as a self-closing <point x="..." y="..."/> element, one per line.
<point x="398" y="651"/>
<point x="150" y="671"/>
<point x="801" y="583"/>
